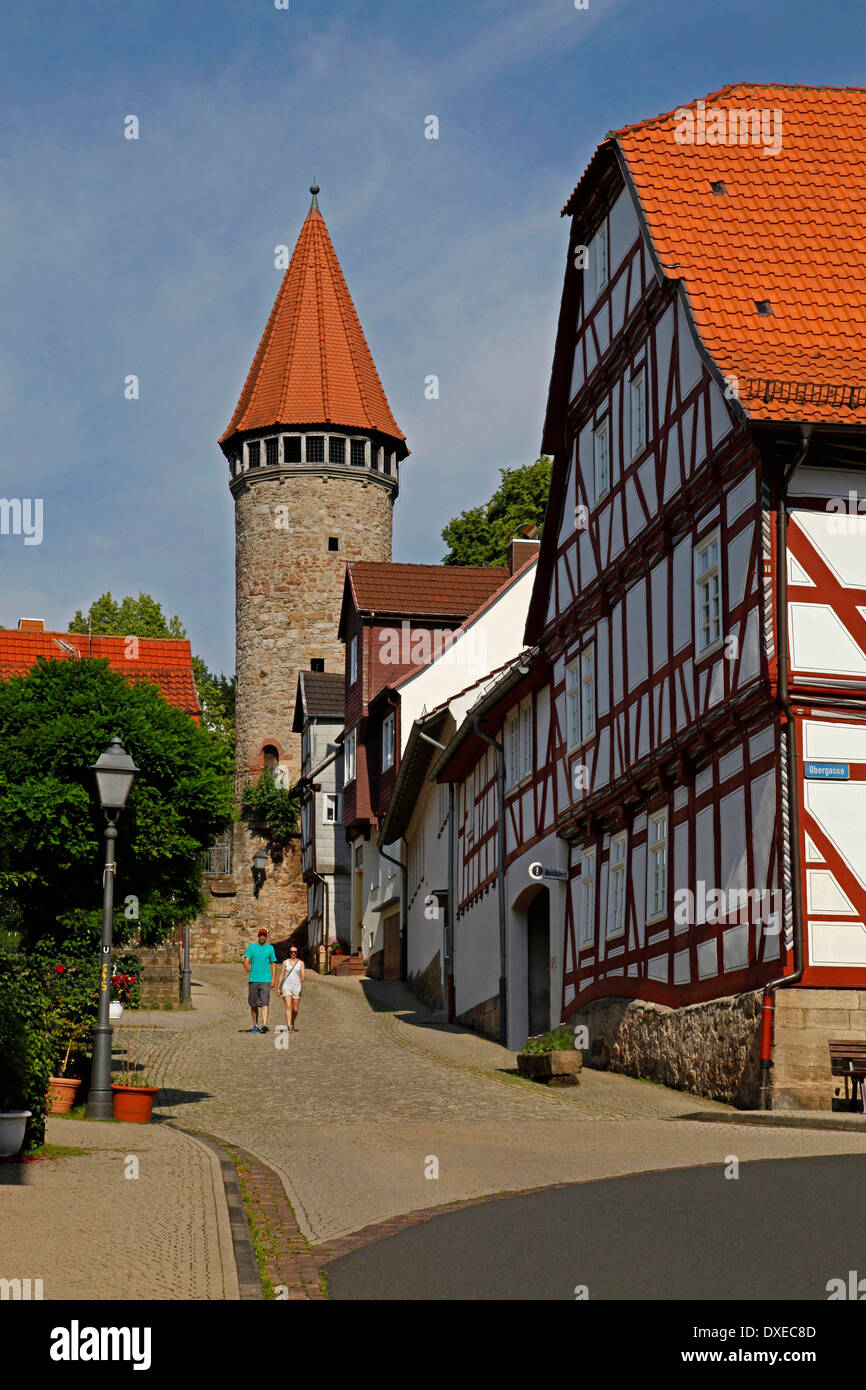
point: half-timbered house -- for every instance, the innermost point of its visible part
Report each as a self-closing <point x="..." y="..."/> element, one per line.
<point x="701" y="590"/>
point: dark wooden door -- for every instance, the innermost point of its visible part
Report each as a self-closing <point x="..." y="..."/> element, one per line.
<point x="538" y="943"/>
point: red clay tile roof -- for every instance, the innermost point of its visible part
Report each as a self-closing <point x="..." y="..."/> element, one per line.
<point x="788" y="230"/>
<point x="313" y="365"/>
<point x="436" y="591"/>
<point x="167" y="663"/>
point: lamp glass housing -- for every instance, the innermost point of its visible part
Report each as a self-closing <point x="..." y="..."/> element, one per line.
<point x="114" y="773"/>
<point x="261" y="859"/>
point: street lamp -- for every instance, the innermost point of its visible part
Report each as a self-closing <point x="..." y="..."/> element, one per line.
<point x="260" y="864"/>
<point x="114" y="773"/>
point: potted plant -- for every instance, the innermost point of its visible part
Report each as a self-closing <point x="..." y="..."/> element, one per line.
<point x="134" y="1091"/>
<point x="13" y="1068"/>
<point x="551" y="1058"/>
<point x="70" y="1019"/>
<point x="63" y="1089"/>
<point x="123" y="984"/>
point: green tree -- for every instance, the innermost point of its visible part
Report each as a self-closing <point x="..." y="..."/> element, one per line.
<point x="143" y="617"/>
<point x="54" y="723"/>
<point x="481" y="535"/>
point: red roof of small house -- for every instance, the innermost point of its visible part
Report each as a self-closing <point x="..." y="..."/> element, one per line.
<point x="786" y="233"/>
<point x="313" y="365"/>
<point x="167" y="664"/>
<point x="422" y="591"/>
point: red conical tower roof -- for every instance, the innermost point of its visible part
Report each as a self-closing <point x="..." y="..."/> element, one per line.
<point x="313" y="365"/>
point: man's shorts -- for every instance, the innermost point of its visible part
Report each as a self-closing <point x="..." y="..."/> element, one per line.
<point x="260" y="994"/>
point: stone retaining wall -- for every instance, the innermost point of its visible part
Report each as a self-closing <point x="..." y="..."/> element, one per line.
<point x="710" y="1049"/>
<point x="483" y="1017"/>
<point x="159" y="975"/>
<point x="805" y="1021"/>
<point x="426" y="984"/>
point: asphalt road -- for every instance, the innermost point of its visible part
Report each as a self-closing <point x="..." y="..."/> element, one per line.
<point x="781" y="1230"/>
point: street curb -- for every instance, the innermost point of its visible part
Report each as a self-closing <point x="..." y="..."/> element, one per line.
<point x="781" y="1119"/>
<point x="249" y="1283"/>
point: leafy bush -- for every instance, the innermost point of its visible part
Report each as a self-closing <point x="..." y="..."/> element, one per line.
<point x="559" y="1039"/>
<point x="264" y="803"/>
<point x="26" y="1047"/>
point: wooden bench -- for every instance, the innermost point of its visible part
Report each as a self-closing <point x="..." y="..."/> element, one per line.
<point x="848" y="1059"/>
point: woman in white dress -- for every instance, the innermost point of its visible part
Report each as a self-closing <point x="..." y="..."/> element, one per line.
<point x="291" y="979"/>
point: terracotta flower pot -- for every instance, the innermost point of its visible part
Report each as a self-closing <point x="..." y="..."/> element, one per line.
<point x="134" y="1103"/>
<point x="61" y="1094"/>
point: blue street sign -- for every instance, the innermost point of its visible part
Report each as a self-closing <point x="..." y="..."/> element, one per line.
<point x="828" y="772"/>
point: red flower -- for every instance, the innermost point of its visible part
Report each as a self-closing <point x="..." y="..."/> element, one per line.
<point x="132" y="979"/>
<point x="60" y="969"/>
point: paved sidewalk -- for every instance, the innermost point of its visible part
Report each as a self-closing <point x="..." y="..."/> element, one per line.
<point x="90" y="1232"/>
<point x="365" y="1102"/>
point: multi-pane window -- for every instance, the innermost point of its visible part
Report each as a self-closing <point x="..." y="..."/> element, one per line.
<point x="254" y="452"/>
<point x="388" y="740"/>
<point x="708" y="606"/>
<point x="616" y="891"/>
<point x="657" y="866"/>
<point x="336" y="450"/>
<point x="386" y="462"/>
<point x="601" y="454"/>
<point x="331" y="808"/>
<point x="358" y="454"/>
<point x="349" y="749"/>
<point x="601" y="258"/>
<point x="526" y="737"/>
<point x="572" y="703"/>
<point x="292" y="448"/>
<point x="315" y="448"/>
<point x="512" y="749"/>
<point x="638" y="412"/>
<point x="353" y="661"/>
<point x="587" y="692"/>
<point x="586" y="897"/>
<point x="272" y="453"/>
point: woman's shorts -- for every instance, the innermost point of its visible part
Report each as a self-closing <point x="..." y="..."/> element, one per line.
<point x="292" y="993"/>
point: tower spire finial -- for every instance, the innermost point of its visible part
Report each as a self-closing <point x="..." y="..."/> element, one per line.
<point x="314" y="189"/>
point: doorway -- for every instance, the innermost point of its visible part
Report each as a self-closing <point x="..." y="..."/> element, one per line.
<point x="538" y="962"/>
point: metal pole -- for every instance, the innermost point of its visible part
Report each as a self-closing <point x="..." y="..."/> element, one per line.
<point x="186" y="982"/>
<point x="100" y="1105"/>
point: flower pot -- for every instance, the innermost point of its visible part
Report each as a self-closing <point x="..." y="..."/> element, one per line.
<point x="12" y="1126"/>
<point x="134" y="1103"/>
<point x="551" y="1068"/>
<point x="61" y="1094"/>
<point x="115" y="1009"/>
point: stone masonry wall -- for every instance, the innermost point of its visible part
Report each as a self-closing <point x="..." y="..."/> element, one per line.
<point x="289" y="588"/>
<point x="805" y="1021"/>
<point x="426" y="984"/>
<point x="233" y="914"/>
<point x="710" y="1049"/>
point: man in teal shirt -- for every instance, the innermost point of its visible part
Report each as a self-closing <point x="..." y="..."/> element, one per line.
<point x="260" y="963"/>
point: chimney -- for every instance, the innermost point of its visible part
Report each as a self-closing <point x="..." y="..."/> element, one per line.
<point x="522" y="548"/>
<point x="31" y="624"/>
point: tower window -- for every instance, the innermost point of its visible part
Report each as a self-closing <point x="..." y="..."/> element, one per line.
<point x="386" y="462"/>
<point x="359" y="453"/>
<point x="292" y="448"/>
<point x="336" y="451"/>
<point x="317" y="663"/>
<point x="254" y="451"/>
<point x="315" y="448"/>
<point x="272" y="453"/>
<point x="333" y="543"/>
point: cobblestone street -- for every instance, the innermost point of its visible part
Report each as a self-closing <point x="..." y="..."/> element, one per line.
<point x="351" y="1110"/>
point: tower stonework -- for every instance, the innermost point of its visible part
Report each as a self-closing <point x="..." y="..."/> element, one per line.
<point x="313" y="456"/>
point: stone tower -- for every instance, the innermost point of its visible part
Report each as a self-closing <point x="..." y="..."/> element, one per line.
<point x="313" y="454"/>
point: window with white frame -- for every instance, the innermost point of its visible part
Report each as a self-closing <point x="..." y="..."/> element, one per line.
<point x="587" y="692"/>
<point x="331" y="808"/>
<point x="601" y="455"/>
<point x="512" y="748"/>
<point x="708" y="602"/>
<point x="388" y="740"/>
<point x="353" y="661"/>
<point x="616" y="887"/>
<point x="572" y="703"/>
<point x="349" y="749"/>
<point x="657" y="866"/>
<point x="638" y="412"/>
<point x="526" y="750"/>
<point x="601" y="258"/>
<point x="586" y="897"/>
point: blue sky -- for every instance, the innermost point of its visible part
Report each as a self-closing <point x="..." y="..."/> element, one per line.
<point x="156" y="256"/>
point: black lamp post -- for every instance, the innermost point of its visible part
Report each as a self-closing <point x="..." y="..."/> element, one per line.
<point x="114" y="773"/>
<point x="260" y="864"/>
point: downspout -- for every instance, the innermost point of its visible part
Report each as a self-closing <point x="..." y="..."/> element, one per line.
<point x="404" y="909"/>
<point x="768" y="1003"/>
<point x="503" y="940"/>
